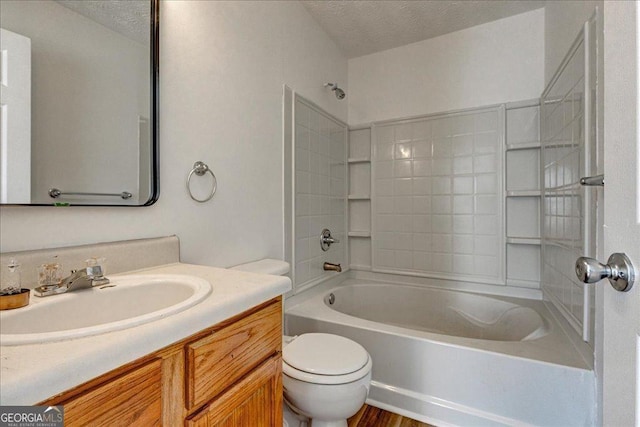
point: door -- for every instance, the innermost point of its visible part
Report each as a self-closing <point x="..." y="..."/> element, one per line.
<point x="621" y="310"/>
<point x="15" y="118"/>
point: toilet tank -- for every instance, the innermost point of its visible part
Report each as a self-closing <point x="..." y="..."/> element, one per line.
<point x="274" y="267"/>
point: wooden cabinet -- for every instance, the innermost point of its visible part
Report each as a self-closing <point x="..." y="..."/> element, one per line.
<point x="220" y="359"/>
<point x="255" y="400"/>
<point x="132" y="399"/>
<point x="226" y="375"/>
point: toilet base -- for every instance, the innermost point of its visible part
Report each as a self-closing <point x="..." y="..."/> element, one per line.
<point x="292" y="418"/>
<point x="295" y="419"/>
<point x="318" y="423"/>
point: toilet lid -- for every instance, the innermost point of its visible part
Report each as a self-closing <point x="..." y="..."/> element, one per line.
<point x="325" y="354"/>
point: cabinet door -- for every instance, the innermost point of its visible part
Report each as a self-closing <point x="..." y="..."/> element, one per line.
<point x="217" y="361"/>
<point x="254" y="401"/>
<point x="133" y="399"/>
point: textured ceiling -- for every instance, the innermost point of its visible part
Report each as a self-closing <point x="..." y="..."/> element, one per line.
<point x="130" y="18"/>
<point x="364" y="27"/>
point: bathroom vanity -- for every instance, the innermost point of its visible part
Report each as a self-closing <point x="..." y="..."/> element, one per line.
<point x="219" y="359"/>
<point x="230" y="371"/>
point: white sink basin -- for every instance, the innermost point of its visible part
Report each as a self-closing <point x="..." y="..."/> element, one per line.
<point x="125" y="302"/>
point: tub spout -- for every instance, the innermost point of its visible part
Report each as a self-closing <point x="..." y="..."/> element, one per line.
<point x="327" y="266"/>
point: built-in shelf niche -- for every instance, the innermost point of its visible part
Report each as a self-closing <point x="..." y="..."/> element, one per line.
<point x="359" y="233"/>
<point x="359" y="160"/>
<point x="522" y="192"/>
<point x="523" y="217"/>
<point x="523" y="195"/>
<point x="360" y="179"/>
<point x="523" y="170"/>
<point x="360" y="217"/>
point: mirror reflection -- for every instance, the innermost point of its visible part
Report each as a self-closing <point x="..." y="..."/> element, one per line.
<point x="77" y="102"/>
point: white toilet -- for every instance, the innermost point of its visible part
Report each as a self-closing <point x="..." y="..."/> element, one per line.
<point x="325" y="377"/>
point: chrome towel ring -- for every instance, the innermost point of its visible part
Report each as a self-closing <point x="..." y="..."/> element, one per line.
<point x="200" y="168"/>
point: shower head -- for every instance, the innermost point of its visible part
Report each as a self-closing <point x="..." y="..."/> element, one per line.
<point x="338" y="92"/>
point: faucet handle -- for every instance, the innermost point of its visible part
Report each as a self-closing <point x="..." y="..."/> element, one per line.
<point x="95" y="271"/>
<point x="326" y="240"/>
<point x="96" y="262"/>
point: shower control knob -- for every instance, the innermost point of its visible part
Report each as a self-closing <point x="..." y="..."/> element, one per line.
<point x="618" y="270"/>
<point x="326" y="240"/>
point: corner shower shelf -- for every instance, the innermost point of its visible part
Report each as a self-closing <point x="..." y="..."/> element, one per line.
<point x="531" y="284"/>
<point x="359" y="160"/>
<point x="523" y="240"/>
<point x="525" y="146"/>
<point x="524" y="193"/>
<point x="359" y="234"/>
<point x="359" y="197"/>
<point x="360" y="267"/>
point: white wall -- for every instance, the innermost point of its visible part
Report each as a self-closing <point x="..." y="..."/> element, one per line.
<point x="497" y="62"/>
<point x="222" y="68"/>
<point x="563" y="21"/>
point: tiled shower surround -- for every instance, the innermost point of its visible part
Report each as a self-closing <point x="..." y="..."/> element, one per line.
<point x="320" y="190"/>
<point x="569" y="209"/>
<point x="437" y="197"/>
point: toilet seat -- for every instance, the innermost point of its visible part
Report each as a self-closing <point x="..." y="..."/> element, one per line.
<point x="325" y="359"/>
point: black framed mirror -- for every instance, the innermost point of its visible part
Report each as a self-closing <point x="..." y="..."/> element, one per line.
<point x="79" y="88"/>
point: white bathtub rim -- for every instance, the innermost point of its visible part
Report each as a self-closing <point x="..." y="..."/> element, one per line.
<point x="315" y="307"/>
<point x="534" y="305"/>
<point x="455" y="410"/>
<point x="399" y="331"/>
<point x="310" y="289"/>
<point x="449" y="284"/>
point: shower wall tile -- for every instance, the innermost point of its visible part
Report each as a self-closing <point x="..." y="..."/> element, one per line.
<point x="360" y="179"/>
<point x="523" y="217"/>
<point x="523" y="264"/>
<point x="563" y="224"/>
<point x="437" y="202"/>
<point x="360" y="143"/>
<point x="523" y="170"/>
<point x="359" y="215"/>
<point x="320" y="190"/>
<point x="523" y="125"/>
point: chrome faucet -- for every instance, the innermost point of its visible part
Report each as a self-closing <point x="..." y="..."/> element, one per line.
<point x="327" y="266"/>
<point x="327" y="240"/>
<point x="87" y="277"/>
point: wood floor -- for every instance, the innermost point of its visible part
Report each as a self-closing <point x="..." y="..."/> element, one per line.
<point x="370" y="416"/>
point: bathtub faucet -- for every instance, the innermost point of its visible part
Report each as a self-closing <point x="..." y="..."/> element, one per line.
<point x="327" y="266"/>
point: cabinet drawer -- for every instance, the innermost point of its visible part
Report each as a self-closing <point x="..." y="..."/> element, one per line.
<point x="133" y="399"/>
<point x="215" y="362"/>
<point x="256" y="401"/>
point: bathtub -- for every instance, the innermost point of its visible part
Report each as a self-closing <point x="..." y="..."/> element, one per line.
<point x="457" y="358"/>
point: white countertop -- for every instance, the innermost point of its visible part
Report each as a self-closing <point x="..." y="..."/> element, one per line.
<point x="32" y="373"/>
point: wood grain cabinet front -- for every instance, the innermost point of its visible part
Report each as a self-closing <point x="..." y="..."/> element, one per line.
<point x="226" y="375"/>
<point x="220" y="359"/>
<point x="255" y="400"/>
<point x="132" y="399"/>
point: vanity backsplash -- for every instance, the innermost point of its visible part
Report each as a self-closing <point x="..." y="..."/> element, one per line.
<point x="120" y="256"/>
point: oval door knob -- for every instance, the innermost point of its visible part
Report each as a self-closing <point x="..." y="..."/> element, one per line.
<point x="590" y="270"/>
<point x="618" y="270"/>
